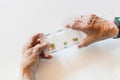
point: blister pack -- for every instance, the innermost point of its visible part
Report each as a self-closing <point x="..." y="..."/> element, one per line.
<point x="63" y="38"/>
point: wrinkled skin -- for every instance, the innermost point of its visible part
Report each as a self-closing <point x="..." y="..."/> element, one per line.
<point x="95" y="28"/>
<point x="33" y="51"/>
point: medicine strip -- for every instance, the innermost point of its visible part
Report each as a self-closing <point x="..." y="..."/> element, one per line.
<point x="63" y="38"/>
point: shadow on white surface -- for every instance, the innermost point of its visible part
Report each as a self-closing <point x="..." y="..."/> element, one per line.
<point x="91" y="63"/>
<point x="20" y="19"/>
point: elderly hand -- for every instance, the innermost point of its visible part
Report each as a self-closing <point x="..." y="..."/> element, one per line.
<point x="33" y="51"/>
<point x="95" y="28"/>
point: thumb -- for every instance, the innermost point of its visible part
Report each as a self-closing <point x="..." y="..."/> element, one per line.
<point x="87" y="41"/>
<point x="47" y="54"/>
<point x="48" y="57"/>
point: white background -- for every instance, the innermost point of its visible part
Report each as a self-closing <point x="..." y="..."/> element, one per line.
<point x="20" y="19"/>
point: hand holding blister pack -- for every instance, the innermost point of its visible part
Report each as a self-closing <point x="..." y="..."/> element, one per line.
<point x="63" y="38"/>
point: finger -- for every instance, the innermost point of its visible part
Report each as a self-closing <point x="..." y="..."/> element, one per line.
<point x="46" y="51"/>
<point x="39" y="47"/>
<point x="36" y="51"/>
<point x="76" y="25"/>
<point x="42" y="38"/>
<point x="33" y="41"/>
<point x="42" y="55"/>
<point x="87" y="41"/>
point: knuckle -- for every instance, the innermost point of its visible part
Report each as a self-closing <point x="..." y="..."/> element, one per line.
<point x="93" y="15"/>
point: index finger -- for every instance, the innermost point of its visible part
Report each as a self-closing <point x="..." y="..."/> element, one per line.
<point x="32" y="41"/>
<point x="77" y="24"/>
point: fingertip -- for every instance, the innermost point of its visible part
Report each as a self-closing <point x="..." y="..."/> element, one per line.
<point x="41" y="34"/>
<point x="45" y="44"/>
<point x="68" y="26"/>
<point x="33" y="40"/>
<point x="80" y="46"/>
<point x="35" y="37"/>
<point x="36" y="34"/>
<point x="49" y="57"/>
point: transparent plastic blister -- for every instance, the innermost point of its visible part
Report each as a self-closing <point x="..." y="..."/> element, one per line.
<point x="63" y="38"/>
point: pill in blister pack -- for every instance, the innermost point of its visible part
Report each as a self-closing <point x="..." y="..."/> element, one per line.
<point x="63" y="38"/>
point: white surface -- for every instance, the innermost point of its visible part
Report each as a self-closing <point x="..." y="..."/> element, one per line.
<point x="19" y="19"/>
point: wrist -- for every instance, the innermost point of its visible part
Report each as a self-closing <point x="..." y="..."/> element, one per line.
<point x="27" y="74"/>
<point x="116" y="32"/>
<point x="24" y="75"/>
<point x="114" y="29"/>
